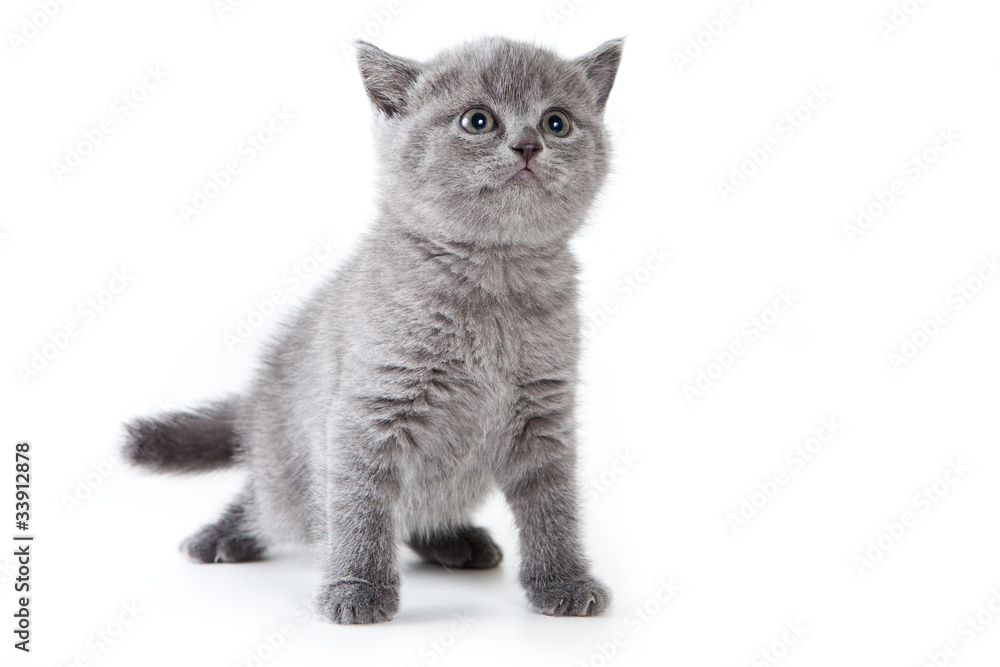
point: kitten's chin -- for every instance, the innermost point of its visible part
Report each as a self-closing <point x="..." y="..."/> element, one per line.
<point x="516" y="211"/>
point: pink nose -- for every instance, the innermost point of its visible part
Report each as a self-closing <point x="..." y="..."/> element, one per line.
<point x="526" y="149"/>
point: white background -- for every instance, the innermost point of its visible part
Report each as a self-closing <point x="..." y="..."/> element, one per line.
<point x="660" y="514"/>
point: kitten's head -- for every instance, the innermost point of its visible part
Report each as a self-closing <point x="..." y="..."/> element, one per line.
<point x="495" y="142"/>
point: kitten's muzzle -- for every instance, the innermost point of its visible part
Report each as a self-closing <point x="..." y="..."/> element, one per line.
<point x="527" y="166"/>
<point x="526" y="148"/>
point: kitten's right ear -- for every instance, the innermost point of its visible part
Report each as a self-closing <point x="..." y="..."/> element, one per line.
<point x="388" y="79"/>
<point x="600" y="67"/>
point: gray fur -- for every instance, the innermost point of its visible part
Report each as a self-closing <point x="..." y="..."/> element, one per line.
<point x="185" y="441"/>
<point x="465" y="547"/>
<point x="440" y="363"/>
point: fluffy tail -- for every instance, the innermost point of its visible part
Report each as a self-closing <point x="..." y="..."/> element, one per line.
<point x="185" y="441"/>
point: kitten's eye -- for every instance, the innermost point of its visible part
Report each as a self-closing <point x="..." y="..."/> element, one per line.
<point x="556" y="122"/>
<point x="478" y="121"/>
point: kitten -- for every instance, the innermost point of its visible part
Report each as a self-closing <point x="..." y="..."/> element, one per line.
<point x="440" y="363"/>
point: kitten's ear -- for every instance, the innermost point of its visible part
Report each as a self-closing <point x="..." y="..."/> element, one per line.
<point x="387" y="78"/>
<point x="600" y="67"/>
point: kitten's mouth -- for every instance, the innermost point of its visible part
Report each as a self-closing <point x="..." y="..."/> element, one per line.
<point x="525" y="171"/>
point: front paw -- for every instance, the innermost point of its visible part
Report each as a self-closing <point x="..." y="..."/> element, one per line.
<point x="349" y="601"/>
<point x="581" y="597"/>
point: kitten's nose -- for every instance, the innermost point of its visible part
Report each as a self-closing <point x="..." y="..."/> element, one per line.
<point x="527" y="148"/>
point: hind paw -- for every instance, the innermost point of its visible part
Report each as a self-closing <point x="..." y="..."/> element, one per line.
<point x="208" y="546"/>
<point x="468" y="548"/>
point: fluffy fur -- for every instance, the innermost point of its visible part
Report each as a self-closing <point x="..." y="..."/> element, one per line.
<point x="440" y="363"/>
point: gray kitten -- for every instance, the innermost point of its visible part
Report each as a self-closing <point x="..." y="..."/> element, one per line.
<point x="440" y="363"/>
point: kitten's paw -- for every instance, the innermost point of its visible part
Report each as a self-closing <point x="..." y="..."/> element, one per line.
<point x="583" y="597"/>
<point x="212" y="546"/>
<point x="349" y="601"/>
<point x="469" y="548"/>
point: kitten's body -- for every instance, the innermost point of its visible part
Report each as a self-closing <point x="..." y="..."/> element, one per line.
<point x="447" y="349"/>
<point x="440" y="363"/>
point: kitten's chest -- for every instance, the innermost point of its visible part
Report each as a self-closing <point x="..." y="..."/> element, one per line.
<point x="503" y="351"/>
<point x="494" y="324"/>
<point x="507" y="320"/>
<point x="512" y="316"/>
<point x="514" y="340"/>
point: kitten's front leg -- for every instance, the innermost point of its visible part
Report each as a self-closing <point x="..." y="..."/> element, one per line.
<point x="538" y="481"/>
<point x="361" y="578"/>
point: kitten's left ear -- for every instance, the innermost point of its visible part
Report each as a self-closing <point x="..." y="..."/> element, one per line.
<point x="388" y="79"/>
<point x="600" y="66"/>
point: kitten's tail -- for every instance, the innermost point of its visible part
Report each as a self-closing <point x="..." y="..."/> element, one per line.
<point x="185" y="441"/>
